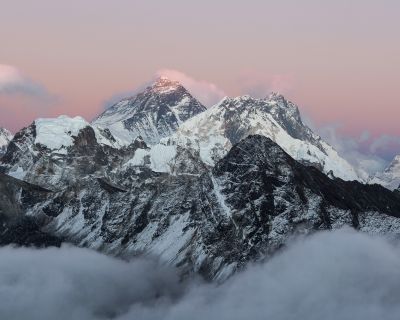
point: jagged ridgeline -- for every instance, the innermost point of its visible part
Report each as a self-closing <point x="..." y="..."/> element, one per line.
<point x="206" y="190"/>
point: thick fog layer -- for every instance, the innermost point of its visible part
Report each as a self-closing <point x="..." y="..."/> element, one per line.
<point x="331" y="275"/>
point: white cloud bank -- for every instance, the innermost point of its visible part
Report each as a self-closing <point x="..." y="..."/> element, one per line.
<point x="330" y="275"/>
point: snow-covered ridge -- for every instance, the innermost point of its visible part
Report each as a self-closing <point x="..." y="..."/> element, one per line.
<point x="159" y="158"/>
<point x="58" y="133"/>
<point x="55" y="133"/>
<point x="390" y="177"/>
<point x="213" y="132"/>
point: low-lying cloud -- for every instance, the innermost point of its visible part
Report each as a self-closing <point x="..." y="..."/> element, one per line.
<point x="73" y="283"/>
<point x="330" y="275"/>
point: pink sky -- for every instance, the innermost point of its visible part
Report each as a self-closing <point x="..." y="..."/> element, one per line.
<point x="339" y="60"/>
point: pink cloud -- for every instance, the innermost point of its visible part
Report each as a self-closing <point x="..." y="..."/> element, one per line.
<point x="13" y="81"/>
<point x="206" y="92"/>
<point x="21" y="99"/>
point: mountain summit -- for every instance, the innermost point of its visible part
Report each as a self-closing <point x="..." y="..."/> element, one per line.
<point x="163" y="84"/>
<point x="153" y="114"/>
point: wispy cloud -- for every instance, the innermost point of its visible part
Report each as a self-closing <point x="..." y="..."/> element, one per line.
<point x="206" y="92"/>
<point x="365" y="151"/>
<point x="21" y="98"/>
<point x="14" y="82"/>
<point x="385" y="144"/>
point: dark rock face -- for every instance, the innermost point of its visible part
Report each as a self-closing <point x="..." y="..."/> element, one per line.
<point x="152" y="114"/>
<point x="19" y="146"/>
<point x="242" y="210"/>
<point x="27" y="232"/>
<point x="260" y="169"/>
<point x="288" y="116"/>
<point x="15" y="227"/>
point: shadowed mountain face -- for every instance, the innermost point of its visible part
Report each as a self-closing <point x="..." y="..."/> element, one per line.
<point x="261" y="160"/>
<point x="242" y="210"/>
<point x="153" y="114"/>
<point x="15" y="226"/>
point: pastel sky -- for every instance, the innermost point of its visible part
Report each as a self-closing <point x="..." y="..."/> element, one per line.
<point x="339" y="60"/>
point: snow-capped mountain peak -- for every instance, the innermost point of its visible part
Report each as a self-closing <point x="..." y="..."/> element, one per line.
<point x="153" y="114"/>
<point x="213" y="132"/>
<point x="164" y="85"/>
<point x="394" y="165"/>
<point x="390" y="177"/>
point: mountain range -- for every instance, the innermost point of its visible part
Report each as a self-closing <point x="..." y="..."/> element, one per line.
<point x="205" y="190"/>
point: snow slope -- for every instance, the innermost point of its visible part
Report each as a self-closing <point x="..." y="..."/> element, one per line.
<point x="51" y="150"/>
<point x="213" y="132"/>
<point x="58" y="133"/>
<point x="390" y="177"/>
<point x="155" y="113"/>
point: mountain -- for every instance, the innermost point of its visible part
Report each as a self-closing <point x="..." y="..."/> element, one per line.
<point x="243" y="209"/>
<point x="51" y="151"/>
<point x="207" y="191"/>
<point x="390" y="177"/>
<point x="153" y="114"/>
<point x="212" y="133"/>
<point x="5" y="138"/>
